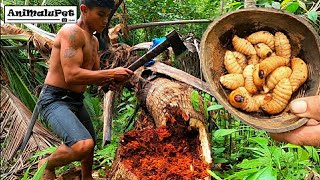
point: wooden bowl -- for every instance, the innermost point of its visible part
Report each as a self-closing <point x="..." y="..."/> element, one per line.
<point x="305" y="44"/>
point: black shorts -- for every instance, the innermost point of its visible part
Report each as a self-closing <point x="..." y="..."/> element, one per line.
<point x="63" y="111"/>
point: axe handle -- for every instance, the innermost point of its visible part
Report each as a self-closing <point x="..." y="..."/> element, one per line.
<point x="149" y="55"/>
<point x="34" y="117"/>
<point x="172" y="39"/>
<point x="144" y="59"/>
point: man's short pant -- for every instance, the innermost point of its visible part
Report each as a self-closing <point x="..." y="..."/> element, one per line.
<point x="65" y="114"/>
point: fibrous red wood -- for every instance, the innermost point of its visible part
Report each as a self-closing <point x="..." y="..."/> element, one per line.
<point x="176" y="148"/>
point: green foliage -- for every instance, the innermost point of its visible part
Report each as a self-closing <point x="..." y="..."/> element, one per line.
<point x="125" y="108"/>
<point x="92" y="104"/>
<point x="212" y="174"/>
<point x="18" y="73"/>
<point x="43" y="153"/>
<point x="313" y="16"/>
<point x="214" y="107"/>
<point x="223" y="132"/>
<point x="292" y="7"/>
<point x="262" y="158"/>
<point x="26" y="174"/>
<point x="143" y="11"/>
<point x="195" y="100"/>
<point x="286" y="162"/>
<point x="40" y="172"/>
<point x="34" y="159"/>
<point x="104" y="157"/>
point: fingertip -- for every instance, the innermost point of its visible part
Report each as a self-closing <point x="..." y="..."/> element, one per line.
<point x="306" y="107"/>
<point x="298" y="106"/>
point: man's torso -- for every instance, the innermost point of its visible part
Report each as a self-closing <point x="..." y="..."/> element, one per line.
<point x="55" y="76"/>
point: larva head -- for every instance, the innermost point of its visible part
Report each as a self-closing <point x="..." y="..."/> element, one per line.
<point x="238" y="97"/>
<point x="269" y="53"/>
<point x="261" y="74"/>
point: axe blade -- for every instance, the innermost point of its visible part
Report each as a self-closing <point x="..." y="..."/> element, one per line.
<point x="176" y="43"/>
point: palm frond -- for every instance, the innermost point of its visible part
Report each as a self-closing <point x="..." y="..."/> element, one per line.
<point x="15" y="118"/>
<point x="18" y="74"/>
<point x="42" y="40"/>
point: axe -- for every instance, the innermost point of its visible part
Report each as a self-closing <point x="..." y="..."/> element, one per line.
<point x="172" y="40"/>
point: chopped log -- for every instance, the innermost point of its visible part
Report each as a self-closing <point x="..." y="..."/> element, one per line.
<point x="177" y="148"/>
<point x="181" y="76"/>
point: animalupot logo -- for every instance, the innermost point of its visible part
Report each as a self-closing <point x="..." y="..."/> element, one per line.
<point x="40" y="14"/>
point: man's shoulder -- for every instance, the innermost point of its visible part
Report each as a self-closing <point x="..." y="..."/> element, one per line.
<point x="68" y="29"/>
<point x="95" y="39"/>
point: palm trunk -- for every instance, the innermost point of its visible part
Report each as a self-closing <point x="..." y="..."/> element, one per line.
<point x="178" y="145"/>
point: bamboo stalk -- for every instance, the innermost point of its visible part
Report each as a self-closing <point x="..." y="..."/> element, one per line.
<point x="13" y="47"/>
<point x="153" y="24"/>
<point x="15" y="37"/>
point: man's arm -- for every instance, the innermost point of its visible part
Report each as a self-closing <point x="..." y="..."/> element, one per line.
<point x="97" y="62"/>
<point x="307" y="135"/>
<point x="71" y="56"/>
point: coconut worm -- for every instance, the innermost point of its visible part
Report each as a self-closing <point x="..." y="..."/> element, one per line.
<point x="282" y="45"/>
<point x="242" y="99"/>
<point x="253" y="59"/>
<point x="243" y="46"/>
<point x="262" y="37"/>
<point x="232" y="81"/>
<point x="231" y="64"/>
<point x="299" y="73"/>
<point x="270" y="64"/>
<point x="248" y="79"/>
<point x="278" y="74"/>
<point x="258" y="82"/>
<point x="280" y="97"/>
<point x="263" y="51"/>
<point x="241" y="59"/>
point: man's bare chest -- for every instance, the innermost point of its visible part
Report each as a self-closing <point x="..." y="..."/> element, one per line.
<point x="90" y="54"/>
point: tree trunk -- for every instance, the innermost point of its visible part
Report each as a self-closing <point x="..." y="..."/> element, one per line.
<point x="175" y="146"/>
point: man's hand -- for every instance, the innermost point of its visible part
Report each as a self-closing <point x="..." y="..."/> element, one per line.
<point x="309" y="134"/>
<point x="122" y="74"/>
<point x="115" y="79"/>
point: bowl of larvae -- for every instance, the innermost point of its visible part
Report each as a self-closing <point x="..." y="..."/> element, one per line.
<point x="256" y="61"/>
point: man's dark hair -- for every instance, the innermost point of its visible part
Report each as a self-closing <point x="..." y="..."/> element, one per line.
<point x="98" y="3"/>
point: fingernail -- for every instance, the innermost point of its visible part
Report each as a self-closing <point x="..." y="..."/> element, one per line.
<point x="298" y="107"/>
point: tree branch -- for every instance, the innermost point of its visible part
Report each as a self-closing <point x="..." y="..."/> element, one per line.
<point x="152" y="24"/>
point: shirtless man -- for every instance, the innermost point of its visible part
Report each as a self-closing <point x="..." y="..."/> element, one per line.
<point x="74" y="64"/>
